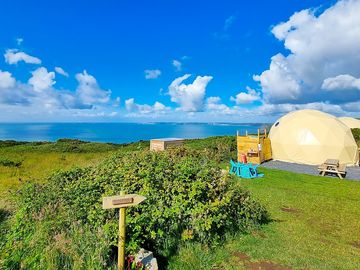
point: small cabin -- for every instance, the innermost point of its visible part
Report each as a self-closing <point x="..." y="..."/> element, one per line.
<point x="256" y="148"/>
<point x="165" y="143"/>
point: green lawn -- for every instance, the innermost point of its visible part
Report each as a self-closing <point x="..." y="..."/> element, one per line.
<point x="316" y="225"/>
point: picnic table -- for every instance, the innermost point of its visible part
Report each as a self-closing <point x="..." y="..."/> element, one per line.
<point x="332" y="166"/>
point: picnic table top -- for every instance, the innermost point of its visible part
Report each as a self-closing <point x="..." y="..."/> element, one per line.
<point x="334" y="162"/>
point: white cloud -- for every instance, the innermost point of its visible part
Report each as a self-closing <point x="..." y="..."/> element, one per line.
<point x="246" y="98"/>
<point x="135" y="108"/>
<point x="6" y="80"/>
<point x="228" y="22"/>
<point x="42" y="79"/>
<point x="322" y="47"/>
<point x="352" y="107"/>
<point x="117" y="102"/>
<point x="38" y="93"/>
<point x="13" y="56"/>
<point x="279" y="83"/>
<point x="341" y="82"/>
<point x="190" y="97"/>
<point x="282" y="30"/>
<point x="152" y="73"/>
<point x="177" y="64"/>
<point x="61" y="71"/>
<point x="89" y="91"/>
<point x="213" y="100"/>
<point x="215" y="107"/>
<point x="19" y="41"/>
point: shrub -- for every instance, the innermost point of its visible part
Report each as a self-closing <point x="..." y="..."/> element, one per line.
<point x="61" y="224"/>
<point x="218" y="148"/>
<point x="356" y="133"/>
<point x="10" y="163"/>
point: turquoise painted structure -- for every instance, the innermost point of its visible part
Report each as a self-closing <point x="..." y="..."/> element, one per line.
<point x="244" y="170"/>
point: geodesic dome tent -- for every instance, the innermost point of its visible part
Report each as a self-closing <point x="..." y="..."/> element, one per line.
<point x="311" y="137"/>
<point x="350" y="122"/>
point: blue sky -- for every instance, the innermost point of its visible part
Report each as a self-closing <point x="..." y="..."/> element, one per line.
<point x="132" y="60"/>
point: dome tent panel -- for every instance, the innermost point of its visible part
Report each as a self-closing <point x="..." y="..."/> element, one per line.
<point x="350" y="122"/>
<point x="311" y="137"/>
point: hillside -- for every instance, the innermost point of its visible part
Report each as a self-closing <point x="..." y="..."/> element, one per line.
<point x="308" y="226"/>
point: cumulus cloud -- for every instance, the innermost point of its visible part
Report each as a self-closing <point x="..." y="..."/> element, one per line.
<point x="177" y="64"/>
<point x="214" y="106"/>
<point x="39" y="99"/>
<point x="213" y="100"/>
<point x="89" y="91"/>
<point x="61" y="71"/>
<point x="324" y="54"/>
<point x="39" y="94"/>
<point x="152" y="73"/>
<point x="246" y="97"/>
<point x="133" y="107"/>
<point x="42" y="79"/>
<point x="6" y="80"/>
<point x="191" y="96"/>
<point x="341" y="82"/>
<point x="13" y="56"/>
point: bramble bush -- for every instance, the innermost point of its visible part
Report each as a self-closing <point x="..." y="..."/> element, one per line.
<point x="217" y="148"/>
<point x="61" y="224"/>
<point x="356" y="133"/>
<point x="10" y="163"/>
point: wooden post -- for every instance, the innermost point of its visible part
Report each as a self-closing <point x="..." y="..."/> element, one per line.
<point x="121" y="202"/>
<point x="265" y="133"/>
<point x="121" y="245"/>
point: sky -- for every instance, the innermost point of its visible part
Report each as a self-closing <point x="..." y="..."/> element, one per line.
<point x="182" y="61"/>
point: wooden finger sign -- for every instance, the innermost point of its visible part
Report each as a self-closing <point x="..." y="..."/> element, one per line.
<point x="122" y="201"/>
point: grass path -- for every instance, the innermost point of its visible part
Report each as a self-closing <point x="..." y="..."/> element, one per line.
<point x="316" y="226"/>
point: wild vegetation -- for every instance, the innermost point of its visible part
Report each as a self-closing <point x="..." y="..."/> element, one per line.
<point x="314" y="220"/>
<point x="356" y="133"/>
<point x="188" y="199"/>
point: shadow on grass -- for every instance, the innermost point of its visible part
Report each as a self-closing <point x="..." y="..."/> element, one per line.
<point x="4" y="214"/>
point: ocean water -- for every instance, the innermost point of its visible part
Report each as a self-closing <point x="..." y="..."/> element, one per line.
<point x="119" y="132"/>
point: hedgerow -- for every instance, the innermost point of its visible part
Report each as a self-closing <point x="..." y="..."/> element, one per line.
<point x="61" y="224"/>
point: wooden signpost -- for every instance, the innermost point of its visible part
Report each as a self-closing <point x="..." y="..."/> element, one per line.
<point x="122" y="201"/>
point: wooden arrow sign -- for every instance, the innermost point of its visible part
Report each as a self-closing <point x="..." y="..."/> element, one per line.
<point x="121" y="201"/>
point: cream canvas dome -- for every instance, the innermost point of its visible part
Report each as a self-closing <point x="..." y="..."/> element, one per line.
<point x="311" y="137"/>
<point x="350" y="122"/>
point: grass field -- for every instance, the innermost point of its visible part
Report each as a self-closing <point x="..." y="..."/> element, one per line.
<point x="315" y="225"/>
<point x="39" y="160"/>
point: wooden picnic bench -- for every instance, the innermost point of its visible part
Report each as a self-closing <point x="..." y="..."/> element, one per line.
<point x="332" y="166"/>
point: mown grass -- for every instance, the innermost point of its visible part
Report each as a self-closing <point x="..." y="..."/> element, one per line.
<point x="315" y="225"/>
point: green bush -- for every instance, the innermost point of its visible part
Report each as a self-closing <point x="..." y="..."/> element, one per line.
<point x="10" y="163"/>
<point x="356" y="133"/>
<point x="218" y="148"/>
<point x="8" y="143"/>
<point x="61" y="225"/>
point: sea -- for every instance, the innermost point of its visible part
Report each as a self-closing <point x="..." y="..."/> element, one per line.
<point x="121" y="132"/>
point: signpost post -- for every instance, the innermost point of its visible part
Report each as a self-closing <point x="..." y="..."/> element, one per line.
<point x="122" y="201"/>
